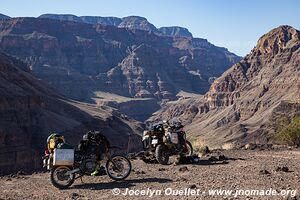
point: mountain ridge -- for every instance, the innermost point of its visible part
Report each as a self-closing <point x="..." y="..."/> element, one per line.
<point x="240" y="105"/>
<point x="112" y="59"/>
<point x="131" y="22"/>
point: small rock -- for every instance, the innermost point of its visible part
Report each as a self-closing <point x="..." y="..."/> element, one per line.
<point x="13" y="175"/>
<point x="264" y="171"/>
<point x="140" y="172"/>
<point x="183" y="169"/>
<point x="181" y="179"/>
<point x="75" y="196"/>
<point x="267" y="146"/>
<point x="293" y="198"/>
<point x="21" y="173"/>
<point x="250" y="146"/>
<point x="193" y="186"/>
<point x="8" y="179"/>
<point x="285" y="169"/>
<point x="222" y="157"/>
<point x="282" y="169"/>
<point x="213" y="158"/>
<point x="161" y="169"/>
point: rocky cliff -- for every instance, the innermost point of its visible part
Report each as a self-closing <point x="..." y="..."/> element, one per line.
<point x="130" y="22"/>
<point x="175" y="31"/>
<point x="81" y="59"/>
<point x="111" y="21"/>
<point x="240" y="104"/>
<point x="137" y="22"/>
<point x="30" y="111"/>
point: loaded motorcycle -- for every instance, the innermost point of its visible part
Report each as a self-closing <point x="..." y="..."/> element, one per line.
<point x="67" y="164"/>
<point x="165" y="139"/>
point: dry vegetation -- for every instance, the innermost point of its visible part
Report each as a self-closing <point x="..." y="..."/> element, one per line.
<point x="288" y="131"/>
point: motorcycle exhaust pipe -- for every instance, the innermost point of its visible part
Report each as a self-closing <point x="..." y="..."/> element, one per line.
<point x="72" y="172"/>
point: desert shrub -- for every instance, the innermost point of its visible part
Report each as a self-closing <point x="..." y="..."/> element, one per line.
<point x="199" y="146"/>
<point x="229" y="145"/>
<point x="288" y="131"/>
<point x="203" y="150"/>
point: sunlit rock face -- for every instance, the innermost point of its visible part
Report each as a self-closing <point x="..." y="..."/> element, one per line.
<point x="79" y="59"/>
<point x="240" y="105"/>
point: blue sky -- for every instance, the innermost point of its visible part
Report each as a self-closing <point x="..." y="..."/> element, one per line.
<point x="234" y="24"/>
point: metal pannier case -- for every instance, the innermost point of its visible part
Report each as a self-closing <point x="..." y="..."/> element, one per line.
<point x="63" y="157"/>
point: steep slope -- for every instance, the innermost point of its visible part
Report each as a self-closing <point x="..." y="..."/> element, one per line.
<point x="30" y="111"/>
<point x="142" y="70"/>
<point x="240" y="105"/>
<point x="97" y="58"/>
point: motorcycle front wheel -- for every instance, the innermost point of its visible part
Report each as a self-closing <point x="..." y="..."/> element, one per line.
<point x="59" y="179"/>
<point x="118" y="168"/>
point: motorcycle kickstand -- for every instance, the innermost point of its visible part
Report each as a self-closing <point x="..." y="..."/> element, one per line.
<point x="80" y="176"/>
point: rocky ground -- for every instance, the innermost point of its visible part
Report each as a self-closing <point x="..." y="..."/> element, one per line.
<point x="239" y="169"/>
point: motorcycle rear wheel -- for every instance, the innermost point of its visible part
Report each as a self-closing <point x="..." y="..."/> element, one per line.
<point x="59" y="180"/>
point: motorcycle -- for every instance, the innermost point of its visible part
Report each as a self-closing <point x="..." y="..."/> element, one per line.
<point x="67" y="164"/>
<point x="165" y="139"/>
<point x="151" y="138"/>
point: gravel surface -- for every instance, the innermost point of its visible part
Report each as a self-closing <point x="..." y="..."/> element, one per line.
<point x="238" y="170"/>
